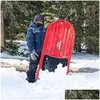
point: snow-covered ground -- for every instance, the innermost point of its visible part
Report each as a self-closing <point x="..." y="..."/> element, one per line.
<point x="51" y="86"/>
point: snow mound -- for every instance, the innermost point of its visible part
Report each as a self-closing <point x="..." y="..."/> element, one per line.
<point x="51" y="86"/>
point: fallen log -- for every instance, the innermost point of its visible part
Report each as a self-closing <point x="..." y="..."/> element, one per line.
<point x="24" y="67"/>
<point x="83" y="70"/>
<point x="19" y="67"/>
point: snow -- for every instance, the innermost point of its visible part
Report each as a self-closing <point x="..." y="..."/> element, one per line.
<point x="6" y="55"/>
<point x="15" y="61"/>
<point x="51" y="86"/>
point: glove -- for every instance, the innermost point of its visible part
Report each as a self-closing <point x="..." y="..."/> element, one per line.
<point x="34" y="55"/>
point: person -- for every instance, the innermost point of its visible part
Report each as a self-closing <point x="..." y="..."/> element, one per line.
<point x="35" y="37"/>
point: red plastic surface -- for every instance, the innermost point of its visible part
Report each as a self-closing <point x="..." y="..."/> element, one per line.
<point x="58" y="43"/>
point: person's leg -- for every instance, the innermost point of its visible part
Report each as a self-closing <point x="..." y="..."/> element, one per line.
<point x="32" y="70"/>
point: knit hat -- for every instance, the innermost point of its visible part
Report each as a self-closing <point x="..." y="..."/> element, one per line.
<point x="38" y="18"/>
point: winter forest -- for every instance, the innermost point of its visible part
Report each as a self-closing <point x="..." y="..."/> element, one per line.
<point x="84" y="69"/>
<point x="84" y="15"/>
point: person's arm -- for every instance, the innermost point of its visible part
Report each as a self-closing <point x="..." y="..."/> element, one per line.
<point x="30" y="40"/>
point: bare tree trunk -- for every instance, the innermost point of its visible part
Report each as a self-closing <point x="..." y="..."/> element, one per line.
<point x="2" y="32"/>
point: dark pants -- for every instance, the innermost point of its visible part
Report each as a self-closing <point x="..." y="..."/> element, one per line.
<point x="32" y="68"/>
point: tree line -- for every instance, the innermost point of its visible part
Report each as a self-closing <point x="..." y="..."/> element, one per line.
<point x="84" y="15"/>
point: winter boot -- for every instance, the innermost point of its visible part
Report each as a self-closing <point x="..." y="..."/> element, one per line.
<point x="31" y="76"/>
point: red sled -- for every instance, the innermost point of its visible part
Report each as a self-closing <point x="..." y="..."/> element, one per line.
<point x="58" y="42"/>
